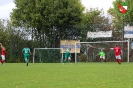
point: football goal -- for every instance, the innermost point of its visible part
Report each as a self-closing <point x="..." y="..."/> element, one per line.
<point x="89" y="51"/>
<point x="47" y="55"/>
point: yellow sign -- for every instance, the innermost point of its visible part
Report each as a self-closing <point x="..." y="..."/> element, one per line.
<point x="65" y="44"/>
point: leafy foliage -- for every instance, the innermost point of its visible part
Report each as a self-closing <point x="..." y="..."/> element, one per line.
<point x="47" y="18"/>
<point x="43" y="23"/>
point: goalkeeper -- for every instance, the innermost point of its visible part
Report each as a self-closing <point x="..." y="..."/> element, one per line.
<point x="102" y="56"/>
<point x="67" y="55"/>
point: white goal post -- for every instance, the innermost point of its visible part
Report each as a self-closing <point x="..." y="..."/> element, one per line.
<point x="127" y="41"/>
<point x="34" y="51"/>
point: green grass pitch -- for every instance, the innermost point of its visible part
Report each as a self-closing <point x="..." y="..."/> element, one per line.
<point x="58" y="75"/>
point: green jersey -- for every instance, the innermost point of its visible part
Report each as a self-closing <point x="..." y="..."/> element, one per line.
<point x="67" y="53"/>
<point x="102" y="53"/>
<point x="26" y="50"/>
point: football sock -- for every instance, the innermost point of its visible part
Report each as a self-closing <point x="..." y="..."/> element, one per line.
<point x="100" y="60"/>
<point x="26" y="60"/>
<point x="2" y="61"/>
<point x="27" y="64"/>
<point x="119" y="61"/>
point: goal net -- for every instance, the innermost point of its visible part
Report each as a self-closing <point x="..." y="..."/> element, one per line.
<point x="89" y="51"/>
<point x="47" y="55"/>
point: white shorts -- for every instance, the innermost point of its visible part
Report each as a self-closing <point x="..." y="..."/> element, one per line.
<point x="118" y="57"/>
<point x="102" y="57"/>
<point x="3" y="57"/>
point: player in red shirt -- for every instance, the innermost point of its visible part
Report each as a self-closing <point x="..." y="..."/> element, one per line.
<point x="117" y="51"/>
<point x="3" y="53"/>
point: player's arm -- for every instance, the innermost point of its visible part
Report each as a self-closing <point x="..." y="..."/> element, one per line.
<point x="98" y="54"/>
<point x="2" y="47"/>
<point x="23" y="51"/>
<point x="30" y="52"/>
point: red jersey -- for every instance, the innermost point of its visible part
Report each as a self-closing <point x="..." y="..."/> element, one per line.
<point x="117" y="50"/>
<point x="3" y="52"/>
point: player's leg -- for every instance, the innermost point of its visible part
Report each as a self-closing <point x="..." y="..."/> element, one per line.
<point x="69" y="59"/>
<point x="66" y="56"/>
<point x="26" y="59"/>
<point x="2" y="62"/>
<point x="3" y="59"/>
<point x="104" y="58"/>
<point x="100" y="59"/>
<point x="116" y="58"/>
<point x="65" y="60"/>
<point x="119" y="59"/>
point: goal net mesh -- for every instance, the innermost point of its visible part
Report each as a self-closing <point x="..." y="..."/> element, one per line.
<point x="47" y="55"/>
<point x="89" y="51"/>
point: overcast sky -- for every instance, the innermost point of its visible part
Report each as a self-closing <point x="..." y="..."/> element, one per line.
<point x="6" y="6"/>
<point x="101" y="4"/>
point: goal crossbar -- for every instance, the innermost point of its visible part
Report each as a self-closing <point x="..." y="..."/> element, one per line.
<point x="102" y="42"/>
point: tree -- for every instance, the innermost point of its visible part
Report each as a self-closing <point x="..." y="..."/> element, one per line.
<point x="95" y="16"/>
<point x="45" y="15"/>
<point x="95" y="20"/>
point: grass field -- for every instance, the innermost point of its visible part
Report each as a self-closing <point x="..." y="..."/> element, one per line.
<point x="58" y="75"/>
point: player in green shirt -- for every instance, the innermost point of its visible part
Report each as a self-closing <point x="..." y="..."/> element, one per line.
<point x="26" y="52"/>
<point x="67" y="55"/>
<point x="102" y="56"/>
